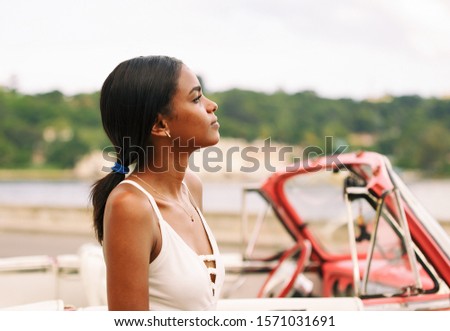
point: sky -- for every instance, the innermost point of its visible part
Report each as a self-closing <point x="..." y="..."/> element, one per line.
<point x="348" y="48"/>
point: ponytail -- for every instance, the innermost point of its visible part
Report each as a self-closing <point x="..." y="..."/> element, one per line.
<point x="99" y="194"/>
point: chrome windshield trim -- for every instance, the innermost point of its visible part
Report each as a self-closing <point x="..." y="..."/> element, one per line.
<point x="409" y="244"/>
<point x="408" y="240"/>
<point x="373" y="238"/>
<point x="353" y="249"/>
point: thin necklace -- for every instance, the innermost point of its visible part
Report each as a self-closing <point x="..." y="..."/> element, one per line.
<point x="166" y="198"/>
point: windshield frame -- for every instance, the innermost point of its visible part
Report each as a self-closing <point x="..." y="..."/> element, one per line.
<point x="432" y="226"/>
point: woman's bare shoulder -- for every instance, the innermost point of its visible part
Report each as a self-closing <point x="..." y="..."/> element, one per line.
<point x="128" y="212"/>
<point x="127" y="198"/>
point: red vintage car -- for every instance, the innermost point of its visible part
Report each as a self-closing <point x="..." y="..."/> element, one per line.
<point x="354" y="230"/>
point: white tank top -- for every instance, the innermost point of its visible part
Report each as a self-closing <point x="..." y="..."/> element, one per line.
<point x="178" y="277"/>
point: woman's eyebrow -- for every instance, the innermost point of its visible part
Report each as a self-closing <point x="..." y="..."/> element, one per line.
<point x="196" y="88"/>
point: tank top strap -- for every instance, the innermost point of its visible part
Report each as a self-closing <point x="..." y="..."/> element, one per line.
<point x="149" y="196"/>
<point x="185" y="185"/>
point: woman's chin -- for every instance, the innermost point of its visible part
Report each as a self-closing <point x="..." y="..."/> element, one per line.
<point x="216" y="140"/>
<point x="212" y="140"/>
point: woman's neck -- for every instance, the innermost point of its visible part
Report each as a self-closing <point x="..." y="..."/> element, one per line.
<point x="165" y="171"/>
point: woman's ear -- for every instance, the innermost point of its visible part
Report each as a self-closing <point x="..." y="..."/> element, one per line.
<point x="160" y="128"/>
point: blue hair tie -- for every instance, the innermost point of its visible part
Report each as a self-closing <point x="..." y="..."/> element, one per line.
<point x="119" y="168"/>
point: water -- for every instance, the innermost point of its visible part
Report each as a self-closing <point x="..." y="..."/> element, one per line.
<point x="217" y="196"/>
<point x="45" y="193"/>
<point x="434" y="195"/>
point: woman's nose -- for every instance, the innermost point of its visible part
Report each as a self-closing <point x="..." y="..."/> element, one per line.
<point x="212" y="106"/>
<point x="216" y="106"/>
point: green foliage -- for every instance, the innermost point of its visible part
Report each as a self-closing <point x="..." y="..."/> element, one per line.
<point x="65" y="154"/>
<point x="55" y="130"/>
<point x="47" y="129"/>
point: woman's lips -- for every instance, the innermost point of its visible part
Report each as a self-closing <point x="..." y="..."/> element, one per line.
<point x="215" y="123"/>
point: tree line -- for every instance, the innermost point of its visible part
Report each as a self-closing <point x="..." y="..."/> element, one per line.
<point x="53" y="130"/>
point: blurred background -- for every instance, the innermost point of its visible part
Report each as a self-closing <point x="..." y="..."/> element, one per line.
<point x="373" y="75"/>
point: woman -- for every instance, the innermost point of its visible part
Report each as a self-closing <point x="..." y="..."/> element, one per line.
<point x="159" y="251"/>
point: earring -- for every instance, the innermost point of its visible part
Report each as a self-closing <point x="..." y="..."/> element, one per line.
<point x="167" y="134"/>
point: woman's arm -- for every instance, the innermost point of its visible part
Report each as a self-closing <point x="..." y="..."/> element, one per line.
<point x="128" y="242"/>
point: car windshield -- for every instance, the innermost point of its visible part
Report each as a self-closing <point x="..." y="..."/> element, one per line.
<point x="327" y="201"/>
<point x="318" y="199"/>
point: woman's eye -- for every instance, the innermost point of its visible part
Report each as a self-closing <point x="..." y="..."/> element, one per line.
<point x="197" y="99"/>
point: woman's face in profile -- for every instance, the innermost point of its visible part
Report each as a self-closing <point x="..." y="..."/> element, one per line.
<point x="193" y="118"/>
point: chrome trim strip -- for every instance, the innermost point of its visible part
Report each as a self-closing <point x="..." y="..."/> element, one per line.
<point x="353" y="250"/>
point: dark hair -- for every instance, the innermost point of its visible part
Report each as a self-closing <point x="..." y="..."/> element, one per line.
<point x="131" y="98"/>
